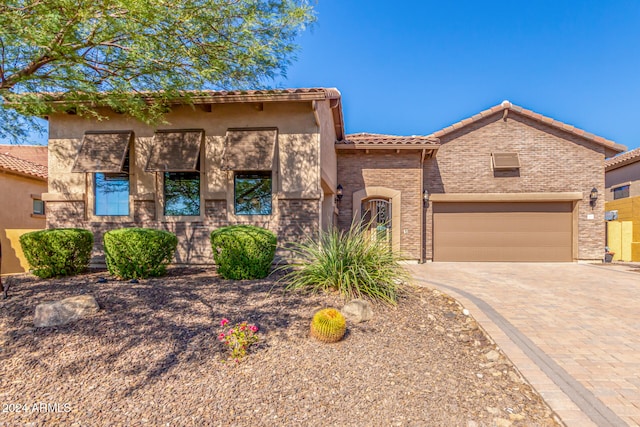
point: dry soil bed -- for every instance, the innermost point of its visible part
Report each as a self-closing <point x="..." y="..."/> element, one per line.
<point x="150" y="357"/>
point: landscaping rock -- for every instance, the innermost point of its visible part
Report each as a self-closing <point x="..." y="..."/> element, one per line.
<point x="64" y="311"/>
<point x="358" y="310"/>
<point x="492" y="356"/>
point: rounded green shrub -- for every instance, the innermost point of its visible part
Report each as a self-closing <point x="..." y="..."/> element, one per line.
<point x="58" y="251"/>
<point x="138" y="253"/>
<point x="243" y="251"/>
<point x="328" y="325"/>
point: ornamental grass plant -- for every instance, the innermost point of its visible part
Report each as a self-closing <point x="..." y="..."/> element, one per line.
<point x="353" y="262"/>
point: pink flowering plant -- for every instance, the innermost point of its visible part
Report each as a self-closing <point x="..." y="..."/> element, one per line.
<point x="238" y="338"/>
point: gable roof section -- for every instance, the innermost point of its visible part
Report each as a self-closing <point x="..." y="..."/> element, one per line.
<point x="506" y="106"/>
<point x="23" y="167"/>
<point x="623" y="159"/>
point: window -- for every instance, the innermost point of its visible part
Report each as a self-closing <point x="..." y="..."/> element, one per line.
<point x="182" y="193"/>
<point x="621" y="192"/>
<point x="112" y="194"/>
<point x="38" y="207"/>
<point x="252" y="193"/>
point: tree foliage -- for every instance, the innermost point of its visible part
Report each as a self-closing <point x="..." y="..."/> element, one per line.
<point x="109" y="52"/>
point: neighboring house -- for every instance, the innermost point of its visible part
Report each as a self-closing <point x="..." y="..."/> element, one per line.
<point x="23" y="179"/>
<point x="622" y="196"/>
<point x="505" y="185"/>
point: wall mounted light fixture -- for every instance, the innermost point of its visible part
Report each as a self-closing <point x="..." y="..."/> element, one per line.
<point x="593" y="196"/>
<point x="339" y="193"/>
<point x="425" y="197"/>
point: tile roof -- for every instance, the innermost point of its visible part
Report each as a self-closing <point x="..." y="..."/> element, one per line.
<point x="380" y="139"/>
<point x="622" y="159"/>
<point x="34" y="153"/>
<point x="23" y="167"/>
<point x="506" y="105"/>
<point x="230" y="95"/>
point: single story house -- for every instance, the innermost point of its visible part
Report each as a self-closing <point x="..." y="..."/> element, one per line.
<point x="622" y="204"/>
<point x="504" y="185"/>
<point x="23" y="179"/>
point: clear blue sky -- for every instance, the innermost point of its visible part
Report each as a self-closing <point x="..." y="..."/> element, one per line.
<point x="414" y="67"/>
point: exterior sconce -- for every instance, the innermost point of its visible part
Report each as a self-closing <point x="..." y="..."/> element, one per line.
<point x="425" y="197"/>
<point x="339" y="193"/>
<point x="593" y="197"/>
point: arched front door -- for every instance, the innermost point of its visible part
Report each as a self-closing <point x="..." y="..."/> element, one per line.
<point x="376" y="216"/>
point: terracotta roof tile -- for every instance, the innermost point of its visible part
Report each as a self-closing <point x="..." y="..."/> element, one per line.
<point x="380" y="139"/>
<point x="622" y="159"/>
<point x="506" y="105"/>
<point x="33" y="153"/>
<point x="315" y="92"/>
<point x="22" y="167"/>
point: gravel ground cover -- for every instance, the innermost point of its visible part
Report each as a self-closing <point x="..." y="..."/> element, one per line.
<point x="150" y="357"/>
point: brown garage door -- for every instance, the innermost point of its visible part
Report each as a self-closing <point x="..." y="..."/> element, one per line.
<point x="502" y="232"/>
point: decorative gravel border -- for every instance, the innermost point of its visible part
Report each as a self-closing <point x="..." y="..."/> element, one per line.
<point x="150" y="356"/>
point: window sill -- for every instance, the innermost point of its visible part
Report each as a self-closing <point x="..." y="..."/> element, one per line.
<point x="173" y="219"/>
<point x="111" y="218"/>
<point x="38" y="216"/>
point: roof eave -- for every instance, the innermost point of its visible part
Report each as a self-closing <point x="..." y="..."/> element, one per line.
<point x="22" y="174"/>
<point x="343" y="146"/>
<point x="506" y="107"/>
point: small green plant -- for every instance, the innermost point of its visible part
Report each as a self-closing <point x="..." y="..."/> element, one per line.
<point x="239" y="338"/>
<point x="328" y="325"/>
<point x="243" y="251"/>
<point x="351" y="262"/>
<point x="138" y="253"/>
<point x="58" y="251"/>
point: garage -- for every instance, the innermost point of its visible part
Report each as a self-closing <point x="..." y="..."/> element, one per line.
<point x="501" y="231"/>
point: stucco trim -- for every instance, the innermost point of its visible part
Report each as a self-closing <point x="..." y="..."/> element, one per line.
<point x="396" y="199"/>
<point x="307" y="195"/>
<point x="507" y="197"/>
<point x="144" y="197"/>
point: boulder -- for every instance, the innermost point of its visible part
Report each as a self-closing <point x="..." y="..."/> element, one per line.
<point x="358" y="310"/>
<point x="64" y="311"/>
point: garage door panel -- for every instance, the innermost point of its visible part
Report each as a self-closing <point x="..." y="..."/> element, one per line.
<point x="524" y="254"/>
<point x="511" y="239"/>
<point x="503" y="232"/>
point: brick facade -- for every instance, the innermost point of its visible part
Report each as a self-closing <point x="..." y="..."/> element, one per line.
<point x="294" y="220"/>
<point x="550" y="161"/>
<point x="397" y="171"/>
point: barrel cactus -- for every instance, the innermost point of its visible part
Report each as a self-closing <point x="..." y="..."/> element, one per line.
<point x="328" y="325"/>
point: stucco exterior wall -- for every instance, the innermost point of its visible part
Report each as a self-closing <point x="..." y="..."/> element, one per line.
<point x="297" y="193"/>
<point x="625" y="175"/>
<point x="16" y="218"/>
<point x="328" y="162"/>
<point x="550" y="161"/>
<point x="628" y="248"/>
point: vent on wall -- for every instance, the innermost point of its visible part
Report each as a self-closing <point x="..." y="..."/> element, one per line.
<point x="505" y="161"/>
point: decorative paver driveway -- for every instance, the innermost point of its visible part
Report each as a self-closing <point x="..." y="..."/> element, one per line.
<point x="573" y="330"/>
